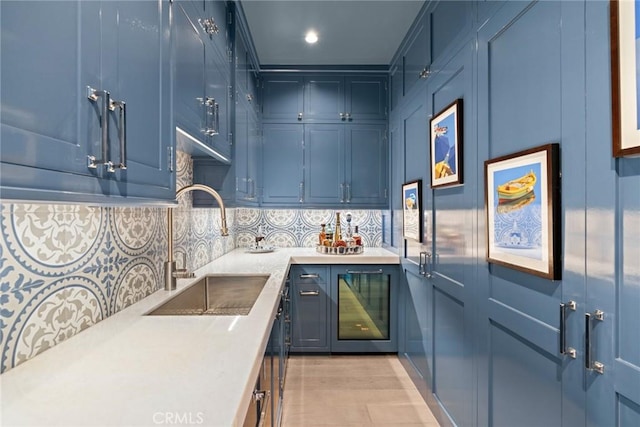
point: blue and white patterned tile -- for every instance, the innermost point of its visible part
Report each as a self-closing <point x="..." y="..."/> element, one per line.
<point x="137" y="280"/>
<point x="53" y="240"/>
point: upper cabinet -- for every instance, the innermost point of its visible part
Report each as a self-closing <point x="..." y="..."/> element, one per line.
<point x="77" y="122"/>
<point x="324" y="98"/>
<point x="282" y="98"/>
<point x="202" y="83"/>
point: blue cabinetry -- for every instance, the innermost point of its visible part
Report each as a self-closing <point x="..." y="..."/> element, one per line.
<point x="345" y="143"/>
<point x="345" y="165"/>
<point x="344" y="308"/>
<point x="325" y="98"/>
<point x="282" y="98"/>
<point x="50" y="127"/>
<point x="310" y="308"/>
<point x="202" y="84"/>
<point x="282" y="164"/>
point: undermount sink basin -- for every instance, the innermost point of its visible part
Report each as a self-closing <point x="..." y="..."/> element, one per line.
<point x="215" y="295"/>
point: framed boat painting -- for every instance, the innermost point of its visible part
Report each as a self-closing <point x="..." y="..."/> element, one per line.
<point x="522" y="205"/>
<point x="625" y="76"/>
<point x="446" y="146"/>
<point x="412" y="210"/>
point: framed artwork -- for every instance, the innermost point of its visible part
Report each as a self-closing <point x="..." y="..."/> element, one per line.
<point x="522" y="205"/>
<point x="412" y="210"/>
<point x="446" y="146"/>
<point x="625" y="76"/>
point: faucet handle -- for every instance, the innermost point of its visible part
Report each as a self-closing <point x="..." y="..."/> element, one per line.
<point x="183" y="273"/>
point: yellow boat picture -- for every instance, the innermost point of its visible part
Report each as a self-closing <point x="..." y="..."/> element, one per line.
<point x="516" y="188"/>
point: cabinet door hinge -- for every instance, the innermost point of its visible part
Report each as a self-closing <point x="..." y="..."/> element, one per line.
<point x="230" y="55"/>
<point x="230" y="91"/>
<point x="229" y="18"/>
<point x="170" y="159"/>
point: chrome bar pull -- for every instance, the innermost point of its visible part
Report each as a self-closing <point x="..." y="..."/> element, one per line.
<point x="342" y="192"/>
<point x="427" y="265"/>
<point x="122" y="131"/>
<point x="299" y="116"/>
<point x="348" y="193"/>
<point x="569" y="351"/>
<point x="589" y="364"/>
<point x="301" y="192"/>
<point x="378" y="271"/>
<point x="93" y="95"/>
<point x="309" y="293"/>
<point x="421" y="263"/>
<point x="310" y="276"/>
<point x="348" y="116"/>
<point x="342" y="116"/>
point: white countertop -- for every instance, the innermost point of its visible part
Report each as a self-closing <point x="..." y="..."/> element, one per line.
<point x="136" y="370"/>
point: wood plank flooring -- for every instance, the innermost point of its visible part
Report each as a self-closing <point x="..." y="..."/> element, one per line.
<point x="350" y="391"/>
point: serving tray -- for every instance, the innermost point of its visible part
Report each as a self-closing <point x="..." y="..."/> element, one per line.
<point x="340" y="250"/>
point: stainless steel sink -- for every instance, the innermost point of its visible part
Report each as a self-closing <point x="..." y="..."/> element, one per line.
<point x="215" y="295"/>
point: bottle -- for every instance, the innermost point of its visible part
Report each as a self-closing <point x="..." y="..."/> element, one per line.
<point x="322" y="235"/>
<point x="356" y="237"/>
<point x="329" y="232"/>
<point x="337" y="234"/>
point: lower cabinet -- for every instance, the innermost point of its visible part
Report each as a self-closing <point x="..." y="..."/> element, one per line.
<point x="344" y="308"/>
<point x="310" y="308"/>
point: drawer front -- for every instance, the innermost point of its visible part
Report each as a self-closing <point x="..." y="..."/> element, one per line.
<point x="310" y="275"/>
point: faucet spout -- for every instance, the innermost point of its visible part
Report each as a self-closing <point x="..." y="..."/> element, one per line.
<point x="170" y="271"/>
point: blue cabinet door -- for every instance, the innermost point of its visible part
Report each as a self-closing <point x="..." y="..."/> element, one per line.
<point x="105" y="46"/>
<point x="282" y="99"/>
<point x="47" y="123"/>
<point x="396" y="84"/>
<point x="217" y="90"/>
<point x="417" y="54"/>
<point x="129" y="51"/>
<point x="282" y="163"/>
<point x="247" y="152"/>
<point x="324" y="98"/>
<point x="365" y="98"/>
<point x="189" y="62"/>
<point x="366" y="164"/>
<point x="310" y="307"/>
<point x="324" y="164"/>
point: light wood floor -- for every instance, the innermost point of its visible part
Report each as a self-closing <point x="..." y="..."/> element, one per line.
<point x="349" y="391"/>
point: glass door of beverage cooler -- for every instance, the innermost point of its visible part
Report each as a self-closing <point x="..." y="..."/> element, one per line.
<point x="364" y="309"/>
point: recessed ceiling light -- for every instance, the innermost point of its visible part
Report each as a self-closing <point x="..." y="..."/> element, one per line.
<point x="311" y="37"/>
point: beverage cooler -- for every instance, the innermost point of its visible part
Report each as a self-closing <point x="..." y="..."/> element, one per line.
<point x="364" y="308"/>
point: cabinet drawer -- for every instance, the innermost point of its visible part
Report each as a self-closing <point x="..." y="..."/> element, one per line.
<point x="310" y="275"/>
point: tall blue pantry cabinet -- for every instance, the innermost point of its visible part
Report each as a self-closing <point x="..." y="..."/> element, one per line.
<point x="482" y="342"/>
<point x="71" y="89"/>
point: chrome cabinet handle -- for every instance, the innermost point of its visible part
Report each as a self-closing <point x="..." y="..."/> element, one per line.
<point x="424" y="268"/>
<point x="569" y="351"/>
<point x="424" y="73"/>
<point x="299" y="116"/>
<point x="378" y="271"/>
<point x="301" y="193"/>
<point x="93" y="95"/>
<point x="209" y="26"/>
<point x="348" y="193"/>
<point x="591" y="365"/>
<point x="421" y="263"/>
<point x="310" y="276"/>
<point x="342" y="193"/>
<point x="122" y="131"/>
<point x="348" y="116"/>
<point x="342" y="116"/>
<point x="309" y="293"/>
<point x="212" y="117"/>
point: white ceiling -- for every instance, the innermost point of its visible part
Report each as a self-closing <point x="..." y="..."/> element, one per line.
<point x="351" y="32"/>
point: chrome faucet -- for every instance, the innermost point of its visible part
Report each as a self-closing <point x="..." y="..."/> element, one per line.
<point x="170" y="270"/>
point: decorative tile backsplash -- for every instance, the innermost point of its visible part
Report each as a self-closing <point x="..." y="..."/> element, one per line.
<point x="300" y="228"/>
<point x="63" y="268"/>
